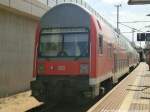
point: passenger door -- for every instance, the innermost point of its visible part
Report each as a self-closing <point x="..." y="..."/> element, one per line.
<point x="115" y="71"/>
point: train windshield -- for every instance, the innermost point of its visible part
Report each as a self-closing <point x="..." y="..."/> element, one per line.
<point x="64" y="45"/>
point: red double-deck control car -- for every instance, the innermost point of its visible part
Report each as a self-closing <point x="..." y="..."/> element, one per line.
<point x="77" y="55"/>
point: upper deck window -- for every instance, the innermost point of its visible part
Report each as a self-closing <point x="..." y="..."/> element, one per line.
<point x="101" y="44"/>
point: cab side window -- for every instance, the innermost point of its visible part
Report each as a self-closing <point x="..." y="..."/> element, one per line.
<point x="101" y="44"/>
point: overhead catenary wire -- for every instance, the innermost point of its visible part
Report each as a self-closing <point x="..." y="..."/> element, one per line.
<point x="131" y="27"/>
<point x="134" y="22"/>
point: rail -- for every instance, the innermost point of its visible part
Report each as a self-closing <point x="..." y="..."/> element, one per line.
<point x="80" y="2"/>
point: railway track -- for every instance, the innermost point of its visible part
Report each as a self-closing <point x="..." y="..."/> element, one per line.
<point x="60" y="107"/>
<point x="63" y="107"/>
<point x="41" y="108"/>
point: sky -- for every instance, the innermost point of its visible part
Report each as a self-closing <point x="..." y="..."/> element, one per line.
<point x="127" y="13"/>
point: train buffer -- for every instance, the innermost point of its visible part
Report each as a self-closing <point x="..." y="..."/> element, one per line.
<point x="130" y="95"/>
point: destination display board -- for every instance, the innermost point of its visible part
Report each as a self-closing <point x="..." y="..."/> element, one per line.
<point x="143" y="36"/>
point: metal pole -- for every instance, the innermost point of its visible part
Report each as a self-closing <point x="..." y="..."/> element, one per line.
<point x="118" y="6"/>
<point x="118" y="18"/>
<point x="56" y="2"/>
<point x="47" y="2"/>
<point x="133" y="35"/>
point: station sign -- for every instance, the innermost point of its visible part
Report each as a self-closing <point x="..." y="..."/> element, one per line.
<point x="143" y="36"/>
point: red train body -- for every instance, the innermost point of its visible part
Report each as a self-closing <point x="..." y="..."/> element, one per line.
<point x="78" y="54"/>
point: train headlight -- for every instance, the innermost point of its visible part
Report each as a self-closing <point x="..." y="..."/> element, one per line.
<point x="84" y="68"/>
<point x="41" y="68"/>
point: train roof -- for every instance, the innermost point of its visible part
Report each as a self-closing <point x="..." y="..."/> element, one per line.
<point x="78" y="16"/>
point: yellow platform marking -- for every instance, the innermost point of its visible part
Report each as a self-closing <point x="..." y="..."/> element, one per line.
<point x="140" y="101"/>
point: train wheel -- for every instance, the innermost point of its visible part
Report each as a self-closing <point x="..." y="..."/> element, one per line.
<point x="131" y="69"/>
<point x="108" y="85"/>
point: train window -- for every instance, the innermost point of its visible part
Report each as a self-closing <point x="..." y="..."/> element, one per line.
<point x="110" y="50"/>
<point x="76" y="44"/>
<point x="101" y="44"/>
<point x="64" y="45"/>
<point x="50" y="43"/>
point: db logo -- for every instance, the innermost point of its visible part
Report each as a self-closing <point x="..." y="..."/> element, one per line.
<point x="62" y="68"/>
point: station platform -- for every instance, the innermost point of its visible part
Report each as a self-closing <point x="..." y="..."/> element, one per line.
<point x="132" y="94"/>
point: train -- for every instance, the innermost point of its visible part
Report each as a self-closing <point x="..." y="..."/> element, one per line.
<point x="78" y="56"/>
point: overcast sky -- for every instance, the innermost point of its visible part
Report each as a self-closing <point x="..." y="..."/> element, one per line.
<point x="127" y="13"/>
